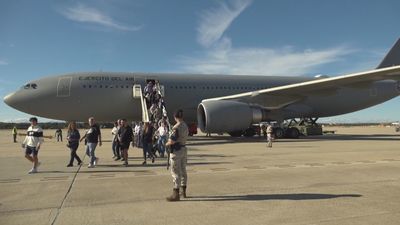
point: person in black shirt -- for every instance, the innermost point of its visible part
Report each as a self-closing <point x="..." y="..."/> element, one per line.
<point x="125" y="137"/>
<point x="93" y="137"/>
<point x="58" y="134"/>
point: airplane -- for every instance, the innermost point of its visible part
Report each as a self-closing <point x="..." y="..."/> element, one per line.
<point x="215" y="103"/>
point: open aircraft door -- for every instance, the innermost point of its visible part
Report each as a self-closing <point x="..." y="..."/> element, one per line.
<point x="137" y="91"/>
<point x="64" y="87"/>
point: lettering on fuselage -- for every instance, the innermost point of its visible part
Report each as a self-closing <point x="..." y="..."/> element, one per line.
<point x="105" y="78"/>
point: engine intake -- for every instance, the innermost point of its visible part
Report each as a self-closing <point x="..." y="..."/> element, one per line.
<point x="227" y="116"/>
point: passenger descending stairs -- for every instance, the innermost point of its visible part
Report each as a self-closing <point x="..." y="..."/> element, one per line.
<point x="138" y="93"/>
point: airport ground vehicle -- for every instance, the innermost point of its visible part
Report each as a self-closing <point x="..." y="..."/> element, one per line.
<point x="288" y="129"/>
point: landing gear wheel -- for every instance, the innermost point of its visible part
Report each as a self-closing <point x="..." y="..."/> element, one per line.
<point x="279" y="133"/>
<point x="236" y="133"/>
<point x="293" y="132"/>
<point x="249" y="132"/>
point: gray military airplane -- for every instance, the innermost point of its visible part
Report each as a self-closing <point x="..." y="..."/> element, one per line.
<point x="216" y="103"/>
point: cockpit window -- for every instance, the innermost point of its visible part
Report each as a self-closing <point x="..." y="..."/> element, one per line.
<point x="30" y="86"/>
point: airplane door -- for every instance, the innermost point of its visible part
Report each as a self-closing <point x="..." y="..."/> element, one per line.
<point x="64" y="87"/>
<point x="137" y="91"/>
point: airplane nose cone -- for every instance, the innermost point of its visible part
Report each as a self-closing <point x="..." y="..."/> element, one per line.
<point x="10" y="99"/>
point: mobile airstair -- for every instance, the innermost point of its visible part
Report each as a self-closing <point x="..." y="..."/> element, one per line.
<point x="138" y="93"/>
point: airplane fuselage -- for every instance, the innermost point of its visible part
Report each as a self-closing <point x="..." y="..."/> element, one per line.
<point x="108" y="96"/>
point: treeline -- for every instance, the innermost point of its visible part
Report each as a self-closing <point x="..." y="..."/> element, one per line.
<point x="50" y="125"/>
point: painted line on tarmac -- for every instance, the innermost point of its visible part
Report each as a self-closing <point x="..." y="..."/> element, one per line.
<point x="66" y="194"/>
<point x="59" y="178"/>
<point x="12" y="180"/>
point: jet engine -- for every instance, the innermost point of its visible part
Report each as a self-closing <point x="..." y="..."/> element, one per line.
<point x="217" y="116"/>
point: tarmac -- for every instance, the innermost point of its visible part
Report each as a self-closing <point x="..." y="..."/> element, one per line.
<point x="351" y="177"/>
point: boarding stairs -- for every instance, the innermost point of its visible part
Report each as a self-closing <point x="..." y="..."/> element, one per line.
<point x="138" y="93"/>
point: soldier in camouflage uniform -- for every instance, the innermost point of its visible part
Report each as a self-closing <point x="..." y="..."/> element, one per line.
<point x="178" y="159"/>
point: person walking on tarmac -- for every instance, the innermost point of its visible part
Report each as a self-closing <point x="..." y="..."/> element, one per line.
<point x="14" y="133"/>
<point x="58" y="134"/>
<point x="125" y="137"/>
<point x="114" y="143"/>
<point x="32" y="143"/>
<point x="93" y="137"/>
<point x="178" y="158"/>
<point x="73" y="137"/>
<point x="269" y="135"/>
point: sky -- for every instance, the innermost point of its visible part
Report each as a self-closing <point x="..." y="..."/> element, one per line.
<point x="286" y="38"/>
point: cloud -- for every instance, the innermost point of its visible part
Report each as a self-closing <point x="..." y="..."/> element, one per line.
<point x="220" y="57"/>
<point x="84" y="14"/>
<point x="284" y="61"/>
<point x="215" y="21"/>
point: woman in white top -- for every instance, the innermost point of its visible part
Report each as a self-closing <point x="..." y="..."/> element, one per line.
<point x="114" y="145"/>
<point x="162" y="138"/>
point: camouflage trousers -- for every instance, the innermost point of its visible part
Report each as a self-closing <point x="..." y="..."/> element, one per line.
<point x="269" y="139"/>
<point x="178" y="162"/>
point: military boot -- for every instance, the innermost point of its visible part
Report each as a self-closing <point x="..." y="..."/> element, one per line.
<point x="184" y="191"/>
<point x="175" y="195"/>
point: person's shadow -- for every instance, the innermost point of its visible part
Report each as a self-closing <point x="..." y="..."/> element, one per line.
<point x="260" y="197"/>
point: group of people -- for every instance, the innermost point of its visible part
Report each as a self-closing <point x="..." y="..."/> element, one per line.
<point x="154" y="101"/>
<point x="149" y="136"/>
<point x="123" y="136"/>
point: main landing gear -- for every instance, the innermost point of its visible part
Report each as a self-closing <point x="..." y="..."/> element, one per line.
<point x="288" y="129"/>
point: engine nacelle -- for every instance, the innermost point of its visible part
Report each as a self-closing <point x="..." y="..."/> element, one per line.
<point x="218" y="116"/>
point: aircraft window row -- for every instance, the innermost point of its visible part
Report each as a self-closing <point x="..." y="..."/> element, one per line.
<point x="218" y="87"/>
<point x="183" y="87"/>
<point x="30" y="85"/>
<point x="106" y="86"/>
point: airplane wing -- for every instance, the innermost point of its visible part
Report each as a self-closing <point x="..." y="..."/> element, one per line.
<point x="278" y="97"/>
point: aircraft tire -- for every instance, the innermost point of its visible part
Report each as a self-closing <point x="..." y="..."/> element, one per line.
<point x="293" y="133"/>
<point x="279" y="133"/>
<point x="235" y="133"/>
<point x="250" y="132"/>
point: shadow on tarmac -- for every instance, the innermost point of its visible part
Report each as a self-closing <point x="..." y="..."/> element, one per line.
<point x="150" y="165"/>
<point x="294" y="197"/>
